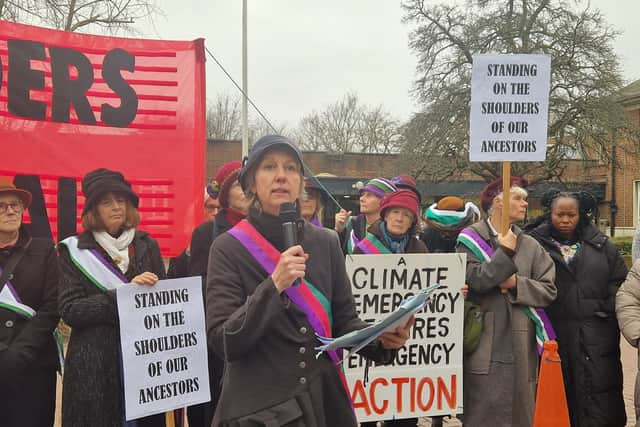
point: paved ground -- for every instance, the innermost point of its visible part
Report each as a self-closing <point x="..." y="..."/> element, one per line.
<point x="629" y="366"/>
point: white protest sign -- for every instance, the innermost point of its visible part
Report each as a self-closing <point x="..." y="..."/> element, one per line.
<point x="425" y="377"/>
<point x="164" y="346"/>
<point x="509" y="107"/>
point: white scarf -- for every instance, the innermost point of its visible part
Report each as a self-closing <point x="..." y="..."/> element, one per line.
<point x="117" y="248"/>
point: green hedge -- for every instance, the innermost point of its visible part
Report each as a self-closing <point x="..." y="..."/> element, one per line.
<point x="623" y="244"/>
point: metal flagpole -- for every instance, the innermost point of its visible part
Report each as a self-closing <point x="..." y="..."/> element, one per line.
<point x="245" y="89"/>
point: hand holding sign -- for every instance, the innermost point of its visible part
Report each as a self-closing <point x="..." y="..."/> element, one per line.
<point x="146" y="278"/>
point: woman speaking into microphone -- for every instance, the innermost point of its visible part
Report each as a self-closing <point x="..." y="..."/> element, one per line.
<point x="266" y="302"/>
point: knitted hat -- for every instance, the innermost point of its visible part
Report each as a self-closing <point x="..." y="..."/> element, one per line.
<point x="407" y="182"/>
<point x="492" y="189"/>
<point x="402" y="199"/>
<point x="378" y="186"/>
<point x="259" y="148"/>
<point x="7" y="187"/>
<point x="450" y="203"/>
<point x="451" y="214"/>
<point x="98" y="182"/>
<point x="221" y="185"/>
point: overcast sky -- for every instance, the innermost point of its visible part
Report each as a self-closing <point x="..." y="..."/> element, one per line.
<point x="304" y="55"/>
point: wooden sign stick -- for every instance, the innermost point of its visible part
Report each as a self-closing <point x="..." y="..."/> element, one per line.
<point x="506" y="196"/>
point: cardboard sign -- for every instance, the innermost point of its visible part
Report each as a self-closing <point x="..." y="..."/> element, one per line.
<point x="425" y="377"/>
<point x="164" y="346"/>
<point x="71" y="103"/>
<point x="509" y="107"/>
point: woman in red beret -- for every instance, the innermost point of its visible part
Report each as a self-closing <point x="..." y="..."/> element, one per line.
<point x="510" y="276"/>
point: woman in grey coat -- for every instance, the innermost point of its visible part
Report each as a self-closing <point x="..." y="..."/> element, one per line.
<point x="507" y="274"/>
<point x="628" y="313"/>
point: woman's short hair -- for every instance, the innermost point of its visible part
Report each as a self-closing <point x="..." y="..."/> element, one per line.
<point x="514" y="190"/>
<point x="250" y="182"/>
<point x="91" y="220"/>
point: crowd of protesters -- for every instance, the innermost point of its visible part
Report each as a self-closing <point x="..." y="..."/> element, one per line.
<point x="263" y="371"/>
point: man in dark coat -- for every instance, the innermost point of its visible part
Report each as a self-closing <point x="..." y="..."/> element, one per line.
<point x="28" y="318"/>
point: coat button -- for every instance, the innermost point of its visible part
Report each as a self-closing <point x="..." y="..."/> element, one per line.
<point x="302" y="365"/>
<point x="9" y="323"/>
<point x="303" y="329"/>
<point x="302" y="350"/>
<point x="10" y="277"/>
<point x="302" y="380"/>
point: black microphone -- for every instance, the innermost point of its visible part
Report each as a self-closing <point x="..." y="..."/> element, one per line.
<point x="289" y="218"/>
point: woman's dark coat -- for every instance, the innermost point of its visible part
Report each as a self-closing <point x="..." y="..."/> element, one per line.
<point x="201" y="240"/>
<point x="272" y="374"/>
<point x="583" y="316"/>
<point x="92" y="384"/>
<point x="28" y="354"/>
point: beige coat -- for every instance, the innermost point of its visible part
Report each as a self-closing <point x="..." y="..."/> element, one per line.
<point x="628" y="313"/>
<point x="500" y="376"/>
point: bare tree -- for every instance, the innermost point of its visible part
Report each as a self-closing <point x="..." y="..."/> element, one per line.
<point x="109" y="16"/>
<point x="585" y="78"/>
<point x="347" y="126"/>
<point x="223" y="118"/>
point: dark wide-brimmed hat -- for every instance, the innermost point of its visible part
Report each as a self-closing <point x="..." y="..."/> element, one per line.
<point x="492" y="189"/>
<point x="260" y="148"/>
<point x="101" y="181"/>
<point x="8" y="187"/>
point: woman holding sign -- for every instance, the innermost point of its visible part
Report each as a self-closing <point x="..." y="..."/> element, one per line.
<point x="107" y="254"/>
<point x="510" y="276"/>
<point x="395" y="232"/>
<point x="266" y="302"/>
<point x="589" y="270"/>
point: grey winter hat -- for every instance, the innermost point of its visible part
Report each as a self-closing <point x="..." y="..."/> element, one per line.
<point x="260" y="147"/>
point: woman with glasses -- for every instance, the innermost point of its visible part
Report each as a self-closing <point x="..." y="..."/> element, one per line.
<point x="93" y="385"/>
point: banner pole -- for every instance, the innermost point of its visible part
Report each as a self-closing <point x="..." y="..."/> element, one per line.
<point x="506" y="196"/>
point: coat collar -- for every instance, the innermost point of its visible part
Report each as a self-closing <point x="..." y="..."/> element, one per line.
<point x="590" y="234"/>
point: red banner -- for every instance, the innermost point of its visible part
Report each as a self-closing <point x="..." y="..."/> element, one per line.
<point x="71" y="103"/>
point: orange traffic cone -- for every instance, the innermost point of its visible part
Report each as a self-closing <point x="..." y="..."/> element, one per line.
<point x="551" y="401"/>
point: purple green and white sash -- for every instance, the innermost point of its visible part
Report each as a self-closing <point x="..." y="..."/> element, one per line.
<point x="304" y="295"/>
<point x="105" y="277"/>
<point x="94" y="266"/>
<point x="371" y="245"/>
<point x="483" y="251"/>
<point x="10" y="300"/>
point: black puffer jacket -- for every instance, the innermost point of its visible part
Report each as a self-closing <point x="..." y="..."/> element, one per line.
<point x="583" y="316"/>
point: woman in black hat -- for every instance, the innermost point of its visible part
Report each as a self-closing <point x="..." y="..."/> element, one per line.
<point x="93" y="387"/>
<point x="266" y="301"/>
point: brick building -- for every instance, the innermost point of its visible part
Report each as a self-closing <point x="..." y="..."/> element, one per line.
<point x="341" y="174"/>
